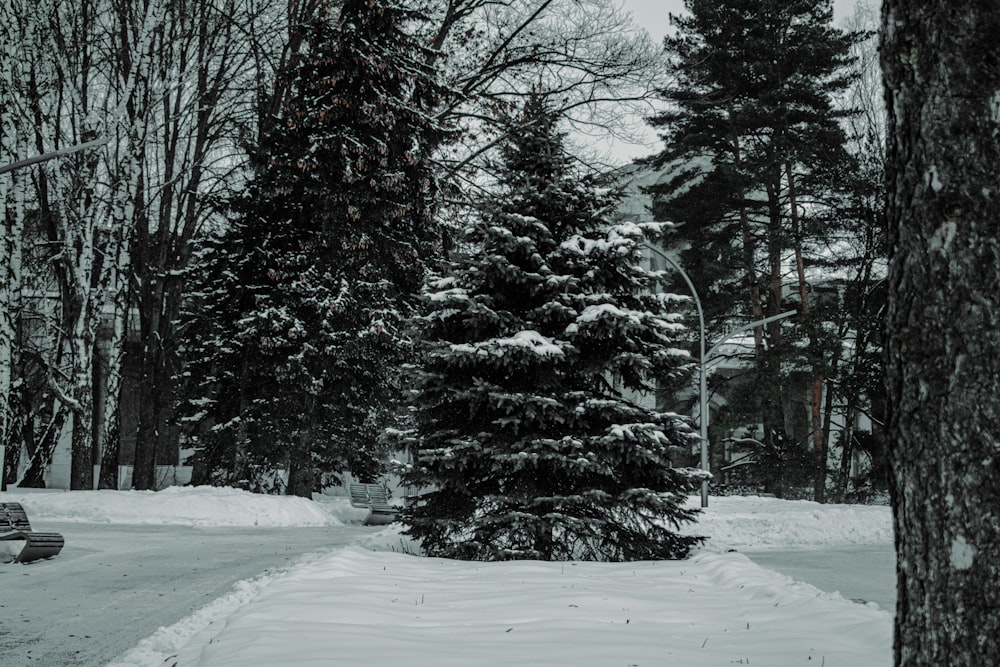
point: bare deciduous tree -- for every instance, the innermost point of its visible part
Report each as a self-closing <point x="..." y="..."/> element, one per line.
<point x="587" y="58"/>
<point x="13" y="184"/>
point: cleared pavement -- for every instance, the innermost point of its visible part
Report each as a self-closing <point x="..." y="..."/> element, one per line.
<point x="114" y="585"/>
<point x="864" y="573"/>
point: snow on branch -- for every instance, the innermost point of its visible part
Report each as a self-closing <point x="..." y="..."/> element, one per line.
<point x="530" y="341"/>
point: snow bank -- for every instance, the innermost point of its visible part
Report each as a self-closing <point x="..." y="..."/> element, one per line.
<point x="747" y="523"/>
<point x="730" y="522"/>
<point x="177" y="505"/>
<point x="356" y="606"/>
<point x="737" y="522"/>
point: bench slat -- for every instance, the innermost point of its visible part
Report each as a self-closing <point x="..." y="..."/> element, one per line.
<point x="374" y="498"/>
<point x="14" y="525"/>
<point x="13" y="517"/>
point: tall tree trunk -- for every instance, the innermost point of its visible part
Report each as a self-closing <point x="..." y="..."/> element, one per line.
<point x="772" y="398"/>
<point x="147" y="432"/>
<point x="749" y="259"/>
<point x="11" y="408"/>
<point x="301" y="475"/>
<point x="12" y="194"/>
<point x="128" y="198"/>
<point x="846" y="454"/>
<point x="818" y="441"/>
<point x="942" y="70"/>
<point x="111" y="428"/>
<point x="301" y="468"/>
<point x="81" y="401"/>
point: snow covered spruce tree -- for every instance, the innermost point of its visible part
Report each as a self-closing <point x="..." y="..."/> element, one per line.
<point x="219" y="380"/>
<point x="329" y="251"/>
<point x="528" y="430"/>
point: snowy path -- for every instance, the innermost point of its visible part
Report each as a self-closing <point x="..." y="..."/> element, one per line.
<point x="114" y="585"/>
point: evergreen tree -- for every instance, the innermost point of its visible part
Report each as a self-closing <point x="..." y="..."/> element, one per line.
<point x="529" y="432"/>
<point x="219" y="368"/>
<point x="755" y="150"/>
<point x="327" y="254"/>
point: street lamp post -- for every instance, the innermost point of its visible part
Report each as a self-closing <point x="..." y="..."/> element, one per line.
<point x="703" y="357"/>
<point x="62" y="152"/>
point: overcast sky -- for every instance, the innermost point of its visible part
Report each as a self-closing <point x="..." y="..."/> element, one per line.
<point x="653" y="14"/>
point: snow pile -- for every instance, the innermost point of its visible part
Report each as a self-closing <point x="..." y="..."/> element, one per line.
<point x="178" y="505"/>
<point x="730" y="522"/>
<point x="736" y="522"/>
<point x="356" y="606"/>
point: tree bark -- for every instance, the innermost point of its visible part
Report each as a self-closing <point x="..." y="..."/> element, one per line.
<point x="942" y="69"/>
<point x="111" y="426"/>
<point x="749" y="258"/>
<point x="12" y="194"/>
<point x="147" y="432"/>
<point x="775" y="436"/>
<point x="819" y="441"/>
<point x="34" y="473"/>
<point x="301" y="469"/>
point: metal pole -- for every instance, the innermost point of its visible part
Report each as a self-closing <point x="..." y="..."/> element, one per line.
<point x="748" y="327"/>
<point x="702" y="379"/>
<point x="703" y="357"/>
<point x="54" y="154"/>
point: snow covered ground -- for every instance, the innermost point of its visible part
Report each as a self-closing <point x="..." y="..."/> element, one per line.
<point x="736" y="522"/>
<point x="369" y="604"/>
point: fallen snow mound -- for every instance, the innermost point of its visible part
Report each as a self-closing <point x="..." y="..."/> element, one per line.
<point x="730" y="522"/>
<point x="752" y="522"/>
<point x="176" y="505"/>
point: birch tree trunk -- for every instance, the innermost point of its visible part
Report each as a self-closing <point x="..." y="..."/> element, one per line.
<point x="73" y="96"/>
<point x="12" y="196"/>
<point x="942" y="67"/>
<point x="76" y="203"/>
<point x="14" y="136"/>
<point x="114" y="280"/>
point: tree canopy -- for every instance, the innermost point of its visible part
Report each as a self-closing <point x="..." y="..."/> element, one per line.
<point x="328" y="251"/>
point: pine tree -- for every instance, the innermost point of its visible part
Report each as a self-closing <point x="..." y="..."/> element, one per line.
<point x="331" y="241"/>
<point x="528" y="432"/>
<point x="755" y="148"/>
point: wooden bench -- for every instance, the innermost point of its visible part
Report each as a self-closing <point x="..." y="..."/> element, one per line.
<point x="373" y="497"/>
<point x="14" y="526"/>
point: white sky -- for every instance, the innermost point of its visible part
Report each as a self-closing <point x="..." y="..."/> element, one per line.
<point x="653" y="15"/>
